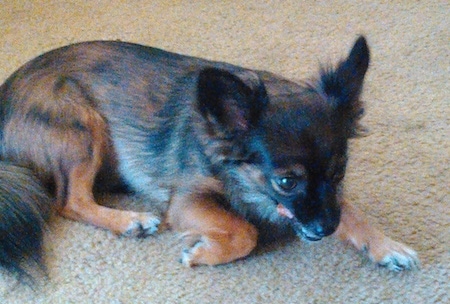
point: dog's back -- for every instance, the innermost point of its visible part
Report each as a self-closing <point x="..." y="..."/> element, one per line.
<point x="109" y="110"/>
<point x="60" y="115"/>
<point x="200" y="134"/>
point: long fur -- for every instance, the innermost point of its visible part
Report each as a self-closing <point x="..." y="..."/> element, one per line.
<point x="24" y="210"/>
<point x="228" y="149"/>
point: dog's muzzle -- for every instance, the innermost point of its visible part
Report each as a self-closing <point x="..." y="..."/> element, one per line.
<point x="304" y="233"/>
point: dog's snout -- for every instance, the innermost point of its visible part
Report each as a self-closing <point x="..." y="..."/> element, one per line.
<point x="316" y="230"/>
<point x="322" y="229"/>
<point x="319" y="219"/>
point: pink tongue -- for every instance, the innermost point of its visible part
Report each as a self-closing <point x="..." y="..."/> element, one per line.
<point x="283" y="211"/>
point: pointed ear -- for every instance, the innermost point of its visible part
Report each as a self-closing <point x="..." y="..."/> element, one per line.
<point x="343" y="85"/>
<point x="232" y="102"/>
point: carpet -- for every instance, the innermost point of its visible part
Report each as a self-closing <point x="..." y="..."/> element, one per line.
<point x="399" y="174"/>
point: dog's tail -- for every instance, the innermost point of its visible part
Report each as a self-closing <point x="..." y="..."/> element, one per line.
<point x="25" y="207"/>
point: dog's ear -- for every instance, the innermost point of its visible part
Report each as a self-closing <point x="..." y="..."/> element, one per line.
<point x="342" y="86"/>
<point x="231" y="102"/>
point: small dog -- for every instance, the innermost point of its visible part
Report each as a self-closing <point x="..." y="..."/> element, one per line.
<point x="229" y="150"/>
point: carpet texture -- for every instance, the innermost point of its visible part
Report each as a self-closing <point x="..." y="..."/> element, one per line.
<point x="399" y="174"/>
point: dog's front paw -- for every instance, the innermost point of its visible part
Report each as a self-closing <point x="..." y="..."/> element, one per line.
<point x="142" y="224"/>
<point x="190" y="256"/>
<point x="216" y="246"/>
<point x="393" y="255"/>
<point x="197" y="250"/>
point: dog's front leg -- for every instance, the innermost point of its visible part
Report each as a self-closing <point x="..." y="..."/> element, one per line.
<point x="212" y="234"/>
<point x="356" y="229"/>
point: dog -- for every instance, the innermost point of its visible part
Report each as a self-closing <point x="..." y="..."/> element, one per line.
<point x="229" y="150"/>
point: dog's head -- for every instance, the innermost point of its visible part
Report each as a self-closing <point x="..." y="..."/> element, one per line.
<point x="306" y="133"/>
<point x="282" y="147"/>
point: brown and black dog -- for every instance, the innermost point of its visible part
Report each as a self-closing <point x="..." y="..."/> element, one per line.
<point x="231" y="151"/>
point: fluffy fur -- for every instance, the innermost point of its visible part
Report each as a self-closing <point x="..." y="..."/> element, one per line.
<point x="230" y="151"/>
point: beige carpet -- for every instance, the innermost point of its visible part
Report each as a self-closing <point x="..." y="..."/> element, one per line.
<point x="399" y="174"/>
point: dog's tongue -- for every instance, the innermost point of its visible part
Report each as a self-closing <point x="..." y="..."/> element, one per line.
<point x="283" y="211"/>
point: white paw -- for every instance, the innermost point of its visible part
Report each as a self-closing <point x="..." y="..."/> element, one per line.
<point x="188" y="254"/>
<point x="396" y="257"/>
<point x="142" y="225"/>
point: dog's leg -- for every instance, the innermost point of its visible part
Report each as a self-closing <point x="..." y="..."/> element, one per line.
<point x="81" y="165"/>
<point x="356" y="229"/>
<point x="213" y="235"/>
<point x="81" y="206"/>
<point x="59" y="131"/>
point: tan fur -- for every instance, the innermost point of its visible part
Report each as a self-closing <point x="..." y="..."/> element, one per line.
<point x="355" y="228"/>
<point x="212" y="234"/>
<point x="80" y="204"/>
<point x="198" y="135"/>
<point x="77" y="144"/>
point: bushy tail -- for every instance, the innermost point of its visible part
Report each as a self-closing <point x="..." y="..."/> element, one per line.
<point x="24" y="208"/>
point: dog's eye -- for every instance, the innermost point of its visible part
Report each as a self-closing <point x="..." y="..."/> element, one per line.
<point x="287" y="183"/>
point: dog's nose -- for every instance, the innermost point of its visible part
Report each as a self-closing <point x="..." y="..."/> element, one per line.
<point x="321" y="230"/>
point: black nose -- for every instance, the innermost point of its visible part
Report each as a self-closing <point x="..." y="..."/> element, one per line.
<point x="314" y="231"/>
<point x="322" y="229"/>
<point x="324" y="224"/>
<point x="328" y="213"/>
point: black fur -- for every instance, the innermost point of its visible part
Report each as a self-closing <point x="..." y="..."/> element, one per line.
<point x="24" y="210"/>
<point x="173" y="121"/>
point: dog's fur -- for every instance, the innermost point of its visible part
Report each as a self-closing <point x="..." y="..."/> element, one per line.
<point x="228" y="149"/>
